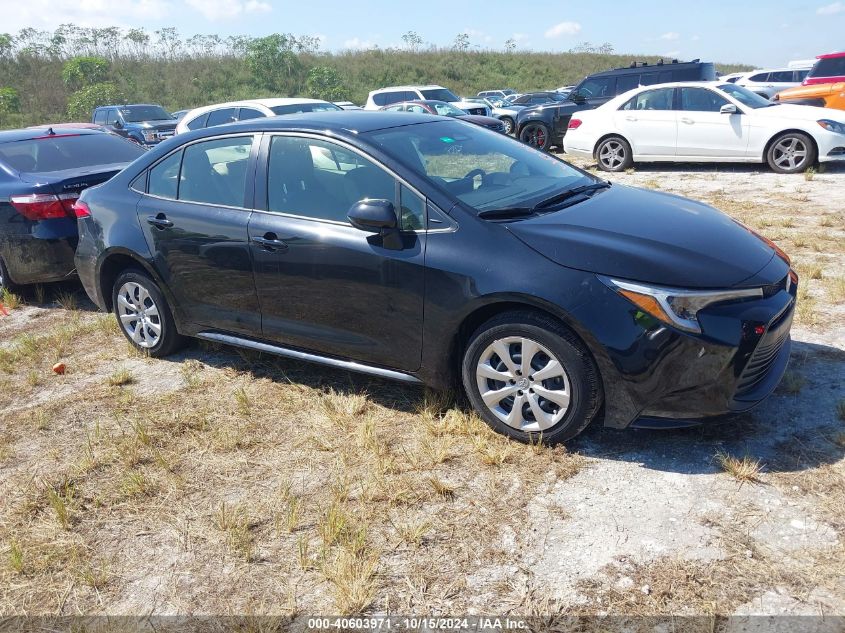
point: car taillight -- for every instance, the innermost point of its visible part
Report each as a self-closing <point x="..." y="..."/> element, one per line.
<point x="574" y="124"/>
<point x="81" y="209"/>
<point x="44" y="206"/>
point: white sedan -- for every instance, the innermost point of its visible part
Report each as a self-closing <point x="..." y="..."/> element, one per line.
<point x="705" y="122"/>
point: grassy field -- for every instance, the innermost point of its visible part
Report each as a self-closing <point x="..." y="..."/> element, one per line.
<point x="223" y="482"/>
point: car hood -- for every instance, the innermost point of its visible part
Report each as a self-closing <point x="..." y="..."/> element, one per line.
<point x="508" y="111"/>
<point x="651" y="237"/>
<point x="799" y="113"/>
<point x="163" y="124"/>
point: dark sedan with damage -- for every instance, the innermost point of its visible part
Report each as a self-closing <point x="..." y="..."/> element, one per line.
<point x="42" y="172"/>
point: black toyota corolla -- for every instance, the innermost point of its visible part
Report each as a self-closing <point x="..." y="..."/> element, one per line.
<point x="426" y="250"/>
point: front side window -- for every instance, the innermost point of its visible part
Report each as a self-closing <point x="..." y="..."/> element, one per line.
<point x="759" y="77"/>
<point x="659" y="99"/>
<point x="597" y="87"/>
<point x="701" y="100"/>
<point x="164" y="177"/>
<point x="111" y="116"/>
<point x="321" y="180"/>
<point x="447" y="109"/>
<point x="417" y="109"/>
<point x="782" y="76"/>
<point x="439" y="94"/>
<point x="484" y="169"/>
<point x="214" y="172"/>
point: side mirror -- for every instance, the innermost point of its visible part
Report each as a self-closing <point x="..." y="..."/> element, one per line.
<point x="377" y="216"/>
<point x="577" y="97"/>
<point x="117" y="125"/>
<point x="728" y="108"/>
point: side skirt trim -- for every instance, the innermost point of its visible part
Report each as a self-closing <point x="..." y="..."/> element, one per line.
<point x="306" y="356"/>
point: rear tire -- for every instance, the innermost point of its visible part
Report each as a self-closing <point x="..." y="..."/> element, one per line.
<point x="791" y="153"/>
<point x="536" y="135"/>
<point x="614" y="154"/>
<point x="143" y="314"/>
<point x="530" y="377"/>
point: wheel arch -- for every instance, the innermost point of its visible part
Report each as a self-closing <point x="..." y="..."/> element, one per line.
<point x="780" y="133"/>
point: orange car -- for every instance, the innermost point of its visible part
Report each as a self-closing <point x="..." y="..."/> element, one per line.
<point x="824" y="95"/>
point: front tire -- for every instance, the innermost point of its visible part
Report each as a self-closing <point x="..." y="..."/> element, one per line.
<point x="528" y="376"/>
<point x="536" y="135"/>
<point x="509" y="124"/>
<point x="143" y="314"/>
<point x="614" y="154"/>
<point x="791" y="153"/>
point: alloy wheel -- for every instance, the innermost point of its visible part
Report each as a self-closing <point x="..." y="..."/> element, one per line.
<point x="535" y="136"/>
<point x="139" y="315"/>
<point x="789" y="153"/>
<point x="523" y="384"/>
<point x="508" y="125"/>
<point x="612" y="154"/>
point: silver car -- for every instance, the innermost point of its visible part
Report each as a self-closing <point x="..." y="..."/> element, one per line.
<point x="767" y="83"/>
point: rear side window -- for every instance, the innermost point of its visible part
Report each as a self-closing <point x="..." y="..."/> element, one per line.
<point x="759" y="77"/>
<point x="801" y="75"/>
<point x="624" y="83"/>
<point x="198" y="123"/>
<point x="214" y="172"/>
<point x="657" y="99"/>
<point x="164" y="177"/>
<point x="220" y="117"/>
<point x="781" y="76"/>
<point x="59" y="153"/>
<point x="249" y="113"/>
<point x="386" y="98"/>
<point x="830" y="67"/>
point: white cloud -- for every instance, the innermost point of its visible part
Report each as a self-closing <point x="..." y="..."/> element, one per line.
<point x="215" y="10"/>
<point x="47" y="14"/>
<point x="671" y="36"/>
<point x="831" y="9"/>
<point x="563" y="28"/>
<point x="358" y="43"/>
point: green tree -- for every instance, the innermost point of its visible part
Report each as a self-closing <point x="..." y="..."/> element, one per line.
<point x="412" y="40"/>
<point x="80" y="72"/>
<point x="461" y="42"/>
<point x="81" y="103"/>
<point x="273" y="63"/>
<point x="325" y="82"/>
<point x="10" y="100"/>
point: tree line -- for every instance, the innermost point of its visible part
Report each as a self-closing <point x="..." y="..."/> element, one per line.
<point x="51" y="76"/>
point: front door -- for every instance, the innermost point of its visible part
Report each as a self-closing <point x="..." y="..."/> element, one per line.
<point x="195" y="217"/>
<point x="703" y="131"/>
<point x="323" y="284"/>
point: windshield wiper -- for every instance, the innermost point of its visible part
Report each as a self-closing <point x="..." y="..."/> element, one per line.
<point x="571" y="193"/>
<point x="506" y="213"/>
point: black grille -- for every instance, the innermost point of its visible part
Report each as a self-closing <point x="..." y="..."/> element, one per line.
<point x="772" y="289"/>
<point x="765" y="355"/>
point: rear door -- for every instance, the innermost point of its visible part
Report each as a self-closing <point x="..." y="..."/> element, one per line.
<point x="324" y="285"/>
<point x="703" y="131"/>
<point x="649" y="122"/>
<point x="195" y="215"/>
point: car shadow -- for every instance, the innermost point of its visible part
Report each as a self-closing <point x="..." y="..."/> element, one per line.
<point x="790" y="431"/>
<point x="60" y="294"/>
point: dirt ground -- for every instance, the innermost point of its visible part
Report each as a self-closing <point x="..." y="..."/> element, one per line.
<point x="221" y="482"/>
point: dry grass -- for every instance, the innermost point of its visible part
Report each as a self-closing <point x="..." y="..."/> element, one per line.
<point x="743" y="469"/>
<point x="121" y="378"/>
<point x="792" y="383"/>
<point x="9" y="300"/>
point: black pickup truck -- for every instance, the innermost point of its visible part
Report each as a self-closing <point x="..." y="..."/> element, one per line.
<point x="144" y="123"/>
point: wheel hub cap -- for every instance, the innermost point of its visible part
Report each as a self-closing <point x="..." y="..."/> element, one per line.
<point x="138" y="314"/>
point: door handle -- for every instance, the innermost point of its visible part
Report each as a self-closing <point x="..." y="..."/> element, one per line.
<point x="270" y="242"/>
<point x="160" y="221"/>
<point x="630" y="118"/>
<point x="687" y="121"/>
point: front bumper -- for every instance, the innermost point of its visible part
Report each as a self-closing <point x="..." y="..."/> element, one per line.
<point x="655" y="375"/>
<point x="831" y="146"/>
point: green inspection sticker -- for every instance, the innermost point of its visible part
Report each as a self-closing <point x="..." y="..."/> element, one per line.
<point x="447" y="139"/>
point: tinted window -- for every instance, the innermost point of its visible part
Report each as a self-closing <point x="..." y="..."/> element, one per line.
<point x="411" y="210"/>
<point x="598" y="87"/>
<point x="386" y="98"/>
<point x="420" y="110"/>
<point x="111" y="116"/>
<point x="759" y="77"/>
<point x="134" y="114"/>
<point x="624" y="83"/>
<point x="59" y="152"/>
<point x="831" y="67"/>
<point x="198" y="122"/>
<point x="800" y="75"/>
<point x="522" y="99"/>
<point x="294" y="108"/>
<point x="214" y="172"/>
<point x="648" y="79"/>
<point x="701" y="100"/>
<point x="249" y="113"/>
<point x="164" y="177"/>
<point x="781" y="75"/>
<point x="439" y="94"/>
<point x="657" y="99"/>
<point x="100" y="117"/>
<point x="219" y="117"/>
<point x="321" y="180"/>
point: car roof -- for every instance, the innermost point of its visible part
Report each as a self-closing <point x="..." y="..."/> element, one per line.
<point x="409" y="87"/>
<point x="129" y="105"/>
<point x="10" y="136"/>
<point x="640" y="68"/>
<point x="831" y="55"/>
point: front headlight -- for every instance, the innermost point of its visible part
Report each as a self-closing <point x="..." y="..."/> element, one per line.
<point x="832" y="126"/>
<point x="675" y="306"/>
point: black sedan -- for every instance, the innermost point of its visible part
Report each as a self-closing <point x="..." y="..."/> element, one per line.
<point x="441" y="108"/>
<point x="422" y="249"/>
<point x="42" y="172"/>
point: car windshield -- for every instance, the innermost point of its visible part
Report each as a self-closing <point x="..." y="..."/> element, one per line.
<point x="136" y="114"/>
<point x="484" y="169"/>
<point x="296" y="108"/>
<point x="745" y="96"/>
<point x="72" y="151"/>
<point x="447" y="109"/>
<point x="439" y="94"/>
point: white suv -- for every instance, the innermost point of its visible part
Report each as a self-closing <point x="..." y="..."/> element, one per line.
<point x="394" y="94"/>
<point x="767" y="83"/>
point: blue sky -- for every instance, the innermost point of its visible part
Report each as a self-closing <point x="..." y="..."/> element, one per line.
<point x="765" y="33"/>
